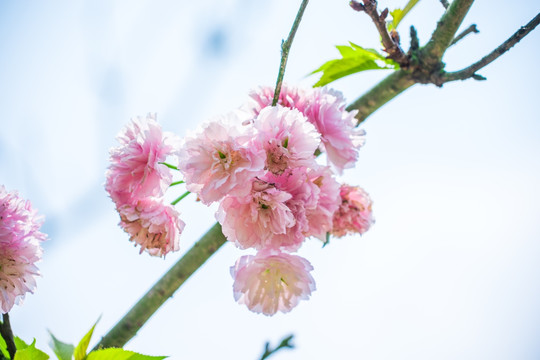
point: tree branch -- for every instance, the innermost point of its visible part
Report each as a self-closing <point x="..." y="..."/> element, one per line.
<point x="285" y="47"/>
<point x="7" y="335"/>
<point x="470" y="71"/>
<point x="390" y="46"/>
<point x="128" y="326"/>
<point x="285" y="343"/>
<point x="393" y="85"/>
<point x="445" y="4"/>
<point x="446" y="30"/>
<point x="467" y="31"/>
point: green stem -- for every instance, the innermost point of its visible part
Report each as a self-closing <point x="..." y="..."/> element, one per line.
<point x="177" y="183"/>
<point x="285" y="47"/>
<point x="169" y="166"/>
<point x="180" y="198"/>
<point x="7" y="335"/>
<point x="128" y="326"/>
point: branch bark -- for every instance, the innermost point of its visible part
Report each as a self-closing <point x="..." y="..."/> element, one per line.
<point x="471" y="29"/>
<point x="128" y="326"/>
<point x="470" y="71"/>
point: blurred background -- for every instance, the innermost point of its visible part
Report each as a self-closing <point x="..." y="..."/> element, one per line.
<point x="451" y="268"/>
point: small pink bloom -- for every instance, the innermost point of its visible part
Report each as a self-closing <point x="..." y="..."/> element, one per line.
<point x="305" y="196"/>
<point x="287" y="137"/>
<point x="354" y="214"/>
<point x="253" y="220"/>
<point x="320" y="218"/>
<point x="339" y="135"/>
<point x="135" y="171"/>
<point x="272" y="281"/>
<point x="220" y="160"/>
<point x="20" y="248"/>
<point x="289" y="97"/>
<point x="153" y="224"/>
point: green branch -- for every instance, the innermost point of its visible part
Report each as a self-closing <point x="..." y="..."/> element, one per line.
<point x="446" y="30"/>
<point x="7" y="335"/>
<point x="383" y="92"/>
<point x="128" y="326"/>
<point x="285" y="47"/>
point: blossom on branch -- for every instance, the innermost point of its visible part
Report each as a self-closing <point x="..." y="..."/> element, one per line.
<point x="152" y="224"/>
<point x="135" y="171"/>
<point x="272" y="281"/>
<point x="220" y="159"/>
<point x="20" y="248"/>
<point x="354" y="214"/>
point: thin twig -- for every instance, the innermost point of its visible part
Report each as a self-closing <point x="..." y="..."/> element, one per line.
<point x="285" y="343"/>
<point x="467" y="31"/>
<point x="285" y="47"/>
<point x="470" y="71"/>
<point x="445" y="4"/>
<point x="7" y="335"/>
<point x="390" y="46"/>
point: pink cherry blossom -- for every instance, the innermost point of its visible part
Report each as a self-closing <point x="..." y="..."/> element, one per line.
<point x="20" y="248"/>
<point x="289" y="97"/>
<point x="152" y="224"/>
<point x="287" y="137"/>
<point x="324" y="108"/>
<point x="354" y="214"/>
<point x="339" y="135"/>
<point x="253" y="220"/>
<point x="320" y="218"/>
<point x="272" y="281"/>
<point x="305" y="197"/>
<point x="220" y="159"/>
<point x="135" y="171"/>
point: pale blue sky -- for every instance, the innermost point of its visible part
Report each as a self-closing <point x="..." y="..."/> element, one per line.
<point x="450" y="270"/>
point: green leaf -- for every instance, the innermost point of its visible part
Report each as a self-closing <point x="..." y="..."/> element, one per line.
<point x="80" y="350"/>
<point x="62" y="350"/>
<point x="399" y="14"/>
<point x="28" y="352"/>
<point x="120" y="354"/>
<point x="3" y="348"/>
<point x="354" y="59"/>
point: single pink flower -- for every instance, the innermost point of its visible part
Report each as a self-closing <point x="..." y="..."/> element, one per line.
<point x="20" y="248"/>
<point x="272" y="281"/>
<point x="354" y="214"/>
<point x="152" y="224"/>
<point x="321" y="217"/>
<point x="287" y="137"/>
<point x="253" y="220"/>
<point x="135" y="171"/>
<point x="339" y="135"/>
<point x="325" y="109"/>
<point x="289" y="97"/>
<point x="305" y="197"/>
<point x="220" y="159"/>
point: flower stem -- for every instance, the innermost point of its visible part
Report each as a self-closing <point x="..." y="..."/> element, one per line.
<point x="7" y="335"/>
<point x="285" y="47"/>
<point x="177" y="183"/>
<point x="128" y="326"/>
<point x="169" y="165"/>
<point x="181" y="197"/>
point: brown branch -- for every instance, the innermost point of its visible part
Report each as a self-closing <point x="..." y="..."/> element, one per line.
<point x="467" y="31"/>
<point x="470" y="71"/>
<point x="390" y="41"/>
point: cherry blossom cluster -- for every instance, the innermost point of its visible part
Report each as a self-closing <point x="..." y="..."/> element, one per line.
<point x="136" y="182"/>
<point x="260" y="164"/>
<point x="20" y="248"/>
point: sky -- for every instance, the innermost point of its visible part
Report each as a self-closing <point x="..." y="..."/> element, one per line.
<point x="450" y="269"/>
